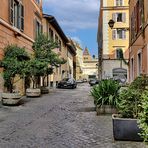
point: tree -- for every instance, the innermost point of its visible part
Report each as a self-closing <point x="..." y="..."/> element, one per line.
<point x="44" y="59"/>
<point x="14" y="63"/>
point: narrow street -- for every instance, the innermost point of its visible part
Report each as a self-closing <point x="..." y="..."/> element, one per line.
<point x="62" y="119"/>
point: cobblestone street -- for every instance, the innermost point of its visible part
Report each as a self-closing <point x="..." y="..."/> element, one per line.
<point x="62" y="119"/>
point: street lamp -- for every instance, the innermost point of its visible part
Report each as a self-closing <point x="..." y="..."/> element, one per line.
<point x="111" y="23"/>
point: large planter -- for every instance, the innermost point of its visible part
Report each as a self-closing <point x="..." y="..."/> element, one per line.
<point x="33" y="92"/>
<point x="106" y="109"/>
<point x="44" y="90"/>
<point x="10" y="98"/>
<point x="125" y="129"/>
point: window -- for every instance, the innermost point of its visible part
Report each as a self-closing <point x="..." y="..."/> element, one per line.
<point x="60" y="45"/>
<point x="132" y="69"/>
<point x="17" y="14"/>
<point x="56" y="38"/>
<point x="38" y="28"/>
<point x="119" y="17"/>
<point x="137" y="19"/>
<point x="50" y="33"/>
<point x="139" y="60"/>
<point x="119" y="2"/>
<point x="119" y="53"/>
<point x="118" y="34"/>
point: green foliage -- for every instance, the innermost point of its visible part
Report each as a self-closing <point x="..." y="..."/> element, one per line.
<point x="44" y="58"/>
<point x="129" y="101"/>
<point x="122" y="56"/>
<point x="43" y="49"/>
<point x="14" y="63"/>
<point x="106" y="93"/>
<point x="140" y="83"/>
<point x="143" y="117"/>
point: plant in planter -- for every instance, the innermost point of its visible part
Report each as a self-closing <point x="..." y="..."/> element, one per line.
<point x="125" y="125"/>
<point x="14" y="65"/>
<point x="105" y="96"/>
<point x="143" y="117"/>
<point x="43" y="62"/>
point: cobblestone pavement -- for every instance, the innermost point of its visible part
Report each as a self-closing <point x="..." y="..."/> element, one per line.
<point x="61" y="119"/>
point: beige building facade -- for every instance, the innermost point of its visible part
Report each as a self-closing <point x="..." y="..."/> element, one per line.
<point x="112" y="41"/>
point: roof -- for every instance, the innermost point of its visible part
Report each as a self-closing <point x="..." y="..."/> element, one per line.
<point x="57" y="27"/>
<point x="86" y="52"/>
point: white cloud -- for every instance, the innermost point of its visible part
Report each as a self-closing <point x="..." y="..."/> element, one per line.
<point x="74" y="14"/>
<point x="77" y="39"/>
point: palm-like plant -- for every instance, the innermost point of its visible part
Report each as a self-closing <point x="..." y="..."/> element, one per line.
<point x="106" y="93"/>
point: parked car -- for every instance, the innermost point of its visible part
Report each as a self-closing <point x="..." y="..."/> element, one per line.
<point x="93" y="82"/>
<point x="67" y="83"/>
<point x="79" y="81"/>
<point x="84" y="80"/>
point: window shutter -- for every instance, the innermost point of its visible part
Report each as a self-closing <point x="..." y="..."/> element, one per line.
<point x="35" y="28"/>
<point x="114" y="17"/>
<point x="21" y="17"/>
<point x="123" y="17"/>
<point x="123" y="34"/>
<point x="114" y="34"/>
<point x="11" y="11"/>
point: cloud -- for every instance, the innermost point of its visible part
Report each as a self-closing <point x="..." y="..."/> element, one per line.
<point x="77" y="39"/>
<point x="73" y="15"/>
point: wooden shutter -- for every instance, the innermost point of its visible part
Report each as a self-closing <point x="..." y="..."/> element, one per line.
<point x="11" y="11"/>
<point x="114" y="17"/>
<point x="21" y="17"/>
<point x="35" y="28"/>
<point x="113" y="34"/>
<point x="123" y="17"/>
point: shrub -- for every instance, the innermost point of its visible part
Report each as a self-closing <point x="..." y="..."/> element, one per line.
<point x="128" y="104"/>
<point x="106" y="93"/>
<point x="143" y="117"/>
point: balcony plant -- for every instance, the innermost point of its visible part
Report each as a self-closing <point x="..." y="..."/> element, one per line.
<point x="14" y="65"/>
<point x="125" y="126"/>
<point x="105" y="96"/>
<point x="43" y="62"/>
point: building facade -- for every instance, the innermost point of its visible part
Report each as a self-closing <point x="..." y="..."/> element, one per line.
<point x="138" y="47"/>
<point x="112" y="41"/>
<point x="20" y="23"/>
<point x="90" y="67"/>
<point x="66" y="49"/>
<point x="79" y="61"/>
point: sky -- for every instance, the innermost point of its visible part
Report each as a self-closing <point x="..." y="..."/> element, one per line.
<point x="78" y="20"/>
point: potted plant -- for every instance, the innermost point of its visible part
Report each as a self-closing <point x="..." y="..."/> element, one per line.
<point x="125" y="124"/>
<point x="105" y="96"/>
<point x="14" y="65"/>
